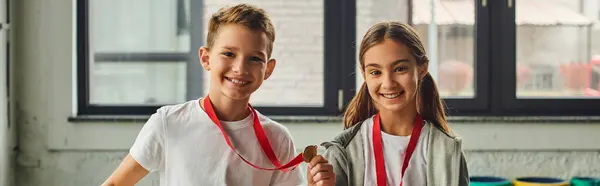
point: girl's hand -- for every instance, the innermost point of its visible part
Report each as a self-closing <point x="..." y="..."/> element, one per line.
<point x="320" y="172"/>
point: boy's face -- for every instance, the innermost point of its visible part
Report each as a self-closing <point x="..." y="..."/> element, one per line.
<point x="237" y="62"/>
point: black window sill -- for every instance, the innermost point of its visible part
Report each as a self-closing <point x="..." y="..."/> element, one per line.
<point x="334" y="119"/>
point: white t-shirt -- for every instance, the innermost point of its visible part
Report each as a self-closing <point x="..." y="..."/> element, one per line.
<point x="393" y="152"/>
<point x="187" y="148"/>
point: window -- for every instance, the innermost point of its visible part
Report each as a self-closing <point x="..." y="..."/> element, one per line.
<point x="449" y="38"/>
<point x="138" y="51"/>
<point x="526" y="65"/>
<point x="552" y="57"/>
<point x="546" y="58"/>
<point x="135" y="56"/>
<point x="450" y="43"/>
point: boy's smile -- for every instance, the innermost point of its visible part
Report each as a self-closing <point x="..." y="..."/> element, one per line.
<point x="237" y="81"/>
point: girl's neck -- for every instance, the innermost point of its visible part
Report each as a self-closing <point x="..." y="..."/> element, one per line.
<point x="228" y="109"/>
<point x="398" y="123"/>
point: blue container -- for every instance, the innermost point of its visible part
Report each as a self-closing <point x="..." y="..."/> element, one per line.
<point x="489" y="181"/>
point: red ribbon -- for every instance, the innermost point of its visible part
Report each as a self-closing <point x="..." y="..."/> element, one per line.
<point x="262" y="139"/>
<point x="378" y="148"/>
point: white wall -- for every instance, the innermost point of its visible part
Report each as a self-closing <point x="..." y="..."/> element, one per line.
<point x="7" y="129"/>
<point x="53" y="151"/>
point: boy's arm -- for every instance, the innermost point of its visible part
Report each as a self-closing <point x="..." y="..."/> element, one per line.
<point x="128" y="173"/>
<point x="146" y="154"/>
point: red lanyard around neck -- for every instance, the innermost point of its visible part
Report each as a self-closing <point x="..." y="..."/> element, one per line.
<point x="378" y="148"/>
<point x="262" y="139"/>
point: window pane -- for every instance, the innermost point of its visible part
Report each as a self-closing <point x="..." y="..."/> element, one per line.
<point x="121" y="26"/>
<point x="558" y="54"/>
<point x="138" y="51"/>
<point x="452" y="60"/>
<point x="137" y="83"/>
<point x="298" y="76"/>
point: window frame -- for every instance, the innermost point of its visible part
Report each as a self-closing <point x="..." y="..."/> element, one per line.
<point x="338" y="89"/>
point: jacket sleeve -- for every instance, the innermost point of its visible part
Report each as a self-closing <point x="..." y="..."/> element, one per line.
<point x="336" y="157"/>
<point x="463" y="179"/>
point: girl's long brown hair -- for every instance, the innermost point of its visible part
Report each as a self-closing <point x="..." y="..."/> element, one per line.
<point x="429" y="104"/>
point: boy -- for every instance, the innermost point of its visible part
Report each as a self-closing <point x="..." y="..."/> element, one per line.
<point x="186" y="143"/>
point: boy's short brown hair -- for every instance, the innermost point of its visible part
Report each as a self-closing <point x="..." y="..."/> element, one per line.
<point x="251" y="17"/>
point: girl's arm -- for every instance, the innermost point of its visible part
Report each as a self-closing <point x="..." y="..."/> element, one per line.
<point x="338" y="160"/>
<point x="128" y="173"/>
<point x="463" y="180"/>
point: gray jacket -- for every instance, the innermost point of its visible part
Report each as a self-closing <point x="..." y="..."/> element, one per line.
<point x="446" y="163"/>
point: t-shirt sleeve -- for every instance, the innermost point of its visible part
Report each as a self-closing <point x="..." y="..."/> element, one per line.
<point x="287" y="151"/>
<point x="148" y="148"/>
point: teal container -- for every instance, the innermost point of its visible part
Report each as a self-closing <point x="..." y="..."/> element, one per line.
<point x="585" y="181"/>
<point x="489" y="181"/>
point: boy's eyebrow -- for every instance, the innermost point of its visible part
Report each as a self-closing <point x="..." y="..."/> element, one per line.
<point x="262" y="53"/>
<point x="231" y="48"/>
<point x="393" y="63"/>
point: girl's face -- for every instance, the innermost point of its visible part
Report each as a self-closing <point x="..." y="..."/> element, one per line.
<point x="392" y="75"/>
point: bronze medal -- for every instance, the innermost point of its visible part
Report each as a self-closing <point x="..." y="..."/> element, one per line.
<point x="309" y="153"/>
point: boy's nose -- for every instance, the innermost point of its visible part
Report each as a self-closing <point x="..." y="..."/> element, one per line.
<point x="240" y="67"/>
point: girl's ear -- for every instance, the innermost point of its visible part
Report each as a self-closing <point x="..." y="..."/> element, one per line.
<point x="423" y="70"/>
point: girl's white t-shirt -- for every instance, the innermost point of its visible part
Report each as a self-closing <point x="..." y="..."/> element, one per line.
<point x="187" y="148"/>
<point x="393" y="152"/>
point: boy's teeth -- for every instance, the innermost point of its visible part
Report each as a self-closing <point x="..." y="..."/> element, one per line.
<point x="238" y="81"/>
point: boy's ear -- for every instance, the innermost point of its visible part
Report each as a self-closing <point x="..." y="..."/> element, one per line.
<point x="203" y="55"/>
<point x="270" y="67"/>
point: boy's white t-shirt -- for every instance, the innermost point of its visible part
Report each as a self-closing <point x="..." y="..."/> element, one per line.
<point x="394" y="148"/>
<point x="187" y="148"/>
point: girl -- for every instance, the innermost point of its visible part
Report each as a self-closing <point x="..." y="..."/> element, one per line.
<point x="396" y="131"/>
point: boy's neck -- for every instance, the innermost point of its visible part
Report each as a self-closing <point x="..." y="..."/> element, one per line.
<point x="228" y="109"/>
<point x="398" y="123"/>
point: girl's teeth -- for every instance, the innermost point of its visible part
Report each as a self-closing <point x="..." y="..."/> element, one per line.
<point x="390" y="96"/>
